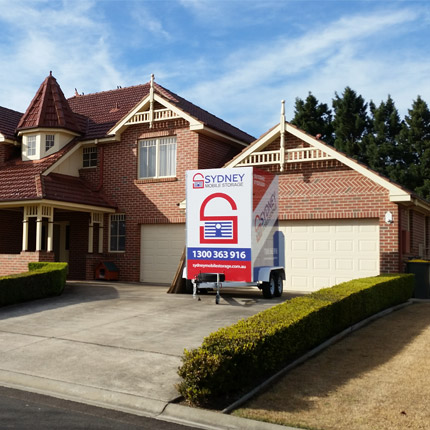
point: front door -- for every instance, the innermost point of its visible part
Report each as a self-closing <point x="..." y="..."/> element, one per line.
<point x="61" y="241"/>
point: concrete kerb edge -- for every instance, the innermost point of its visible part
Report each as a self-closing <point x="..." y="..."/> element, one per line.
<point x="313" y="352"/>
<point x="167" y="411"/>
<point x="94" y="396"/>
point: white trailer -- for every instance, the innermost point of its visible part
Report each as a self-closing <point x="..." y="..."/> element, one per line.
<point x="232" y="236"/>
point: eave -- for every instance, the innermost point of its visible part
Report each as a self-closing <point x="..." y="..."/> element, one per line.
<point x="57" y="205"/>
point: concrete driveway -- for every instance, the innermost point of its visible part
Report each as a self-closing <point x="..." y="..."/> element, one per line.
<point x="112" y="344"/>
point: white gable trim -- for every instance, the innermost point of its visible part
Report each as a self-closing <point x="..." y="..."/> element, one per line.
<point x="121" y="125"/>
<point x="397" y="194"/>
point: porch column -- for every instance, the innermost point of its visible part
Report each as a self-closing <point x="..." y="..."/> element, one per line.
<point x="90" y="236"/>
<point x="39" y="231"/>
<point x="100" y="238"/>
<point x="25" y="234"/>
<point x="50" y="244"/>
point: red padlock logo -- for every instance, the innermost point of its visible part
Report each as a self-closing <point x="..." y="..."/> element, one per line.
<point x="218" y="229"/>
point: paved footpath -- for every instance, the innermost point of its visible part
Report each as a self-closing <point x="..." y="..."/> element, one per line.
<point x="117" y="345"/>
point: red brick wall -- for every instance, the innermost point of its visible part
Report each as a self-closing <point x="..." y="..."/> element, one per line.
<point x="149" y="201"/>
<point x="18" y="263"/>
<point x="6" y="151"/>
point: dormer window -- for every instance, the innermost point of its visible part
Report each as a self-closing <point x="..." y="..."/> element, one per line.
<point x="49" y="141"/>
<point x="31" y="145"/>
<point x="89" y="157"/>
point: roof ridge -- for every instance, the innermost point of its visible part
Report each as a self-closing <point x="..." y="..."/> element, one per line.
<point x="106" y="91"/>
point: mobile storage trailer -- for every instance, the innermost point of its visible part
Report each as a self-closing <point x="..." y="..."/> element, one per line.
<point x="232" y="236"/>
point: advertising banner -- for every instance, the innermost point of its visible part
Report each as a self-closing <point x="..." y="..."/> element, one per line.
<point x="219" y="220"/>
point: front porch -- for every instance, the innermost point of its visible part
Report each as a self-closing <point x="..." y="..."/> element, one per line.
<point x="48" y="232"/>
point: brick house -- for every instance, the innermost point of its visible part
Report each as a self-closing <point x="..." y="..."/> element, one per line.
<point x="100" y="177"/>
<point x="340" y="219"/>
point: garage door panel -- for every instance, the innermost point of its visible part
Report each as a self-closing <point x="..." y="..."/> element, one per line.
<point x="344" y="245"/>
<point x="161" y="250"/>
<point x="301" y="282"/>
<point x="320" y="282"/>
<point x="335" y="251"/>
<point x="321" y="263"/>
<point x="299" y="263"/>
<point x="321" y="245"/>
<point x="366" y="245"/>
<point x="367" y="265"/>
<point x="344" y="264"/>
<point x="299" y="245"/>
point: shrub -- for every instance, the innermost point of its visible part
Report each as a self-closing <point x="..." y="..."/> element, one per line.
<point x="232" y="357"/>
<point x="42" y="280"/>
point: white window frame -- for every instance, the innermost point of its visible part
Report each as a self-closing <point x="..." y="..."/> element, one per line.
<point x="87" y="157"/>
<point x="115" y="239"/>
<point x="49" y="141"/>
<point x="157" y="143"/>
<point x="31" y="145"/>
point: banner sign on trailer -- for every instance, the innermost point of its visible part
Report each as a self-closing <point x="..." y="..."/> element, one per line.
<point x="230" y="213"/>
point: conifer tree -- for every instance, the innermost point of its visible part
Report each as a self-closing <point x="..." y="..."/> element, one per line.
<point x="314" y="118"/>
<point x="413" y="167"/>
<point x="350" y="123"/>
<point x="381" y="141"/>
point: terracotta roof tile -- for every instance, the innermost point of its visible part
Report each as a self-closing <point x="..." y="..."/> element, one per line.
<point x="23" y="180"/>
<point x="49" y="108"/>
<point x="105" y="109"/>
<point x="9" y="120"/>
<point x="72" y="190"/>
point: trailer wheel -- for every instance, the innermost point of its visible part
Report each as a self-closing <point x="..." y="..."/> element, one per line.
<point x="269" y="288"/>
<point x="279" y="286"/>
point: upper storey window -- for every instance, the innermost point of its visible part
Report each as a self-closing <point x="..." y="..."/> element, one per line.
<point x="31" y="145"/>
<point x="49" y="141"/>
<point x="90" y="157"/>
<point x="157" y="157"/>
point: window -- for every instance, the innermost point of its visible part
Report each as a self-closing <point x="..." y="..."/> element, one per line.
<point x="31" y="145"/>
<point x="117" y="233"/>
<point x="49" y="141"/>
<point x="90" y="157"/>
<point x="157" y="157"/>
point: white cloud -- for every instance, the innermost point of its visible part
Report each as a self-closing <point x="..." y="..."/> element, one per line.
<point x="323" y="60"/>
<point x="68" y="38"/>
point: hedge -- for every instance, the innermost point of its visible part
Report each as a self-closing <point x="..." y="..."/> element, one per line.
<point x="42" y="280"/>
<point x="232" y="358"/>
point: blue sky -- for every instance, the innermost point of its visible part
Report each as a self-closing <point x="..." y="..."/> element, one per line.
<point x="237" y="59"/>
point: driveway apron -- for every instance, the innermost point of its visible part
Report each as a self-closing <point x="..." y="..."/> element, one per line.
<point x="112" y="343"/>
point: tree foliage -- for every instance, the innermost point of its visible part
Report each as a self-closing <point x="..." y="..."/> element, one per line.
<point x="374" y="134"/>
<point x="313" y="117"/>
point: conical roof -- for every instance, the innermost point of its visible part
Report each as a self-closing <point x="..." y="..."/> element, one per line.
<point x="49" y="108"/>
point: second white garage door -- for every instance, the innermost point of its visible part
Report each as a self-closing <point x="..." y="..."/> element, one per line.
<point x="320" y="254"/>
<point x="161" y="250"/>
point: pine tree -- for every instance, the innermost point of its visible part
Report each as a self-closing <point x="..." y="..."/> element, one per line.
<point x="413" y="167"/>
<point x="350" y="123"/>
<point x="314" y="118"/>
<point x="381" y="142"/>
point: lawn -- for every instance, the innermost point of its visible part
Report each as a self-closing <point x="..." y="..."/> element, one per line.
<point x="376" y="378"/>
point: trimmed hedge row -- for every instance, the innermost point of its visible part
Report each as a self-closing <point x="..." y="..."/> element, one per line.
<point x="233" y="357"/>
<point x="42" y="280"/>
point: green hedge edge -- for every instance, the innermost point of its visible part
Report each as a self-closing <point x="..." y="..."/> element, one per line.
<point x="43" y="279"/>
<point x="256" y="347"/>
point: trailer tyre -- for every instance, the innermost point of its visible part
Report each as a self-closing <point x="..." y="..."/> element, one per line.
<point x="269" y="288"/>
<point x="279" y="286"/>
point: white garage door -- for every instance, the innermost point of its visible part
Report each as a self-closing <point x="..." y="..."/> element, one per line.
<point x="324" y="253"/>
<point x="161" y="250"/>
